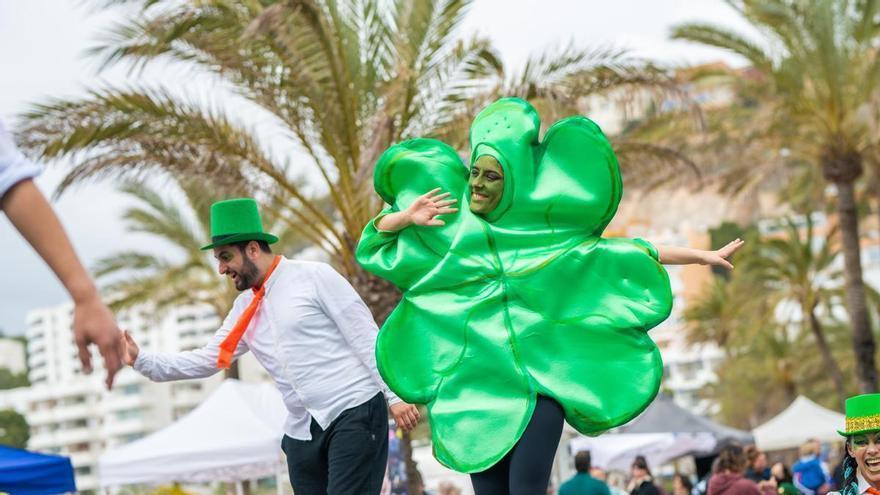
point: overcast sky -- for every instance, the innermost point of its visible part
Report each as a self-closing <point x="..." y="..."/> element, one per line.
<point x="42" y="45"/>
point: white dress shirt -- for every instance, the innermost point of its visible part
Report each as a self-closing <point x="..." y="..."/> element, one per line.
<point x="312" y="333"/>
<point x="14" y="167"/>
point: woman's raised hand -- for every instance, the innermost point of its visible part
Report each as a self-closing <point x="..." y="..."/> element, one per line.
<point x="425" y="209"/>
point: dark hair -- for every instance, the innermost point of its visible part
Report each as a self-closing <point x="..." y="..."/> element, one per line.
<point x="850" y="478"/>
<point x="641" y="463"/>
<point x="582" y="461"/>
<point x="732" y="458"/>
<point x="685" y="482"/>
<point x="752" y="454"/>
<point x="264" y="246"/>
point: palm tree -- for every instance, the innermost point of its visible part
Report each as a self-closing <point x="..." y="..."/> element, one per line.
<point x="796" y="270"/>
<point x="821" y="69"/>
<point x="340" y="81"/>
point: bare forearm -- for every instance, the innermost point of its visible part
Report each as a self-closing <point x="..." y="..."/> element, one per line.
<point x="393" y="222"/>
<point x="32" y="215"/>
<point x="673" y="255"/>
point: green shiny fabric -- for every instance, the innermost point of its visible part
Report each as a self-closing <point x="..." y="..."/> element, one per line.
<point x="528" y="300"/>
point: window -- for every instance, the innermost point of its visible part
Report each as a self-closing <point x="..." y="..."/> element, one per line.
<point x="132" y="389"/>
<point x="129" y="414"/>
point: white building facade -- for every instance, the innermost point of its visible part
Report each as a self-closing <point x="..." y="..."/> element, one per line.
<point x="74" y="415"/>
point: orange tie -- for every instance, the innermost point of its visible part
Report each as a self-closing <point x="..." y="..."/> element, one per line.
<point x="227" y="347"/>
<point x="872" y="491"/>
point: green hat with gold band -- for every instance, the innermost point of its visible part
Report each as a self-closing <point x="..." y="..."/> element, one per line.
<point x="862" y="414"/>
<point x="236" y="220"/>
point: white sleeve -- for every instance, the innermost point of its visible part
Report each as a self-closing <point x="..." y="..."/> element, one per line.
<point x="14" y="167"/>
<point x="197" y="363"/>
<point x="344" y="306"/>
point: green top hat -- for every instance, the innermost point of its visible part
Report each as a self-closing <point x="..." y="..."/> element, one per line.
<point x="236" y="220"/>
<point x="862" y="414"/>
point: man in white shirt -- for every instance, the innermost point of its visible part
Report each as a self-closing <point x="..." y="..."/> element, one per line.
<point x="33" y="217"/>
<point x="311" y="331"/>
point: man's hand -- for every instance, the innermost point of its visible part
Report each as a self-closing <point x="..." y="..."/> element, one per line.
<point x="130" y="349"/>
<point x="93" y="324"/>
<point x="719" y="257"/>
<point x="405" y="415"/>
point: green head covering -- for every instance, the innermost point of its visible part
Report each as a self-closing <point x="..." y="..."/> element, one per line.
<point x="862" y="414"/>
<point x="236" y="220"/>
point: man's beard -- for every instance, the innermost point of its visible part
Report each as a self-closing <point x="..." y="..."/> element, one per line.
<point x="247" y="277"/>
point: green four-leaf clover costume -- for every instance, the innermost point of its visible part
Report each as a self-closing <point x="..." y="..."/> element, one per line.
<point x="526" y="300"/>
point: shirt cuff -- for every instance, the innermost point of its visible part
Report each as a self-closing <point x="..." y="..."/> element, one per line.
<point x="16" y="172"/>
<point x="141" y="363"/>
<point x="391" y="398"/>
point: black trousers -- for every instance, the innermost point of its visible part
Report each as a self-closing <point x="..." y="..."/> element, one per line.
<point x="348" y="458"/>
<point x="525" y="470"/>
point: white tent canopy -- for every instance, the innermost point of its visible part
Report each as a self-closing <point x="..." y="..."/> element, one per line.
<point x="616" y="451"/>
<point x="799" y="422"/>
<point x="234" y="435"/>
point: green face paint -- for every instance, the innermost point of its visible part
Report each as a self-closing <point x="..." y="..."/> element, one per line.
<point x="517" y="295"/>
<point x="486" y="184"/>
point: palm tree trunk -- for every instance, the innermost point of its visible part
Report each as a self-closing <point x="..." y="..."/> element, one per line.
<point x="414" y="483"/>
<point x="381" y="296"/>
<point x="830" y="364"/>
<point x="863" y="339"/>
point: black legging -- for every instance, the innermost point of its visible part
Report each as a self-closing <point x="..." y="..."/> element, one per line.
<point x="525" y="470"/>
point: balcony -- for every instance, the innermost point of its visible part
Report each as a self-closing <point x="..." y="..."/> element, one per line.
<point x="74" y="435"/>
<point x="120" y="428"/>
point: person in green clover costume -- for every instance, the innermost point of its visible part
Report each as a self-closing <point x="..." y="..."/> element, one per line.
<point x="515" y="310"/>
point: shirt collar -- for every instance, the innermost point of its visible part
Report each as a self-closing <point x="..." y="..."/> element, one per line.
<point x="863" y="485"/>
<point x="274" y="277"/>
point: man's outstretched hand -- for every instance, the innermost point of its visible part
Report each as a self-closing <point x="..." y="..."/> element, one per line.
<point x="130" y="349"/>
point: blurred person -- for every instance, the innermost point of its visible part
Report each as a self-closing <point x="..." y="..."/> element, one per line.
<point x="616" y="482"/>
<point x="784" y="483"/>
<point x="33" y="217"/>
<point x="681" y="484"/>
<point x="810" y="476"/>
<point x="837" y="472"/>
<point x="702" y="486"/>
<point x="315" y="336"/>
<point x="642" y="483"/>
<point x="862" y="433"/>
<point x="758" y="469"/>
<point x="448" y="488"/>
<point x="729" y="479"/>
<point x="583" y="483"/>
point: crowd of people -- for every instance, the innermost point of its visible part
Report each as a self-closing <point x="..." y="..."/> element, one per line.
<point x="737" y="470"/>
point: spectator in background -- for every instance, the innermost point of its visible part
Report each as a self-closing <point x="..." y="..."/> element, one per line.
<point x="642" y="482"/>
<point x="448" y="488"/>
<point x="681" y="484"/>
<point x="616" y="482"/>
<point x="837" y="474"/>
<point x="758" y="469"/>
<point x="729" y="479"/>
<point x="702" y="486"/>
<point x="583" y="483"/>
<point x="782" y="475"/>
<point x="810" y="476"/>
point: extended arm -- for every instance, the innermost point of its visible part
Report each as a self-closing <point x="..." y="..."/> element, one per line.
<point x="423" y="211"/>
<point x="672" y="255"/>
<point x="197" y="363"/>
